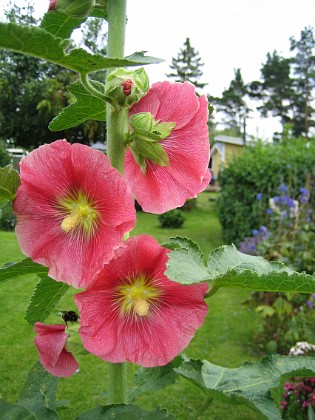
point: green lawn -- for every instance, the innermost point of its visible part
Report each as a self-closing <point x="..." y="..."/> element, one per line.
<point x="224" y="338"/>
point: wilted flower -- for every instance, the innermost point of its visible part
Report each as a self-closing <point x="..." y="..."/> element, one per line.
<point x="133" y="312"/>
<point x="72" y="210"/>
<point x="168" y="164"/>
<point x="51" y="345"/>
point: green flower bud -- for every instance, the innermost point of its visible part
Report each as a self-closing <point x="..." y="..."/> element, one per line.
<point x="73" y="8"/>
<point x="125" y="87"/>
<point x="74" y="344"/>
<point x="145" y="137"/>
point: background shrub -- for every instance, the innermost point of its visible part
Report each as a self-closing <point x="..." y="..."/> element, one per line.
<point x="7" y="218"/>
<point x="252" y="178"/>
<point x="172" y="219"/>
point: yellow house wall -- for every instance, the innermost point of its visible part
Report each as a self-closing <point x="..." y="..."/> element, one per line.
<point x="216" y="163"/>
<point x="232" y="150"/>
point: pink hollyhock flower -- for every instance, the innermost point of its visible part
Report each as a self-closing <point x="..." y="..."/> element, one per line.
<point x="72" y="210"/>
<point x="133" y="312"/>
<point x="51" y="346"/>
<point x="52" y="5"/>
<point x="163" y="188"/>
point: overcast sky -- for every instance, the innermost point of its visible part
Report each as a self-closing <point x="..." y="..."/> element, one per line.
<point x="227" y="34"/>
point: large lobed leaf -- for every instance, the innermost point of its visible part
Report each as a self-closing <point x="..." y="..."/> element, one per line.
<point x="252" y="383"/>
<point x="227" y="267"/>
<point x="62" y="25"/>
<point x="39" y="43"/>
<point x="85" y="107"/>
<point x="152" y="379"/>
<point x="123" y="412"/>
<point x="9" y="183"/>
<point x="37" y="399"/>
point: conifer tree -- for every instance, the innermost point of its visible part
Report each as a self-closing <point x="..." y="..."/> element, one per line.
<point x="304" y="80"/>
<point x="187" y="66"/>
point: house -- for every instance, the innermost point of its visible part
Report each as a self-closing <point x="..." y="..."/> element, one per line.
<point x="224" y="149"/>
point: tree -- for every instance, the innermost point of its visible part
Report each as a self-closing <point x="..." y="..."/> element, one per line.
<point x="33" y="92"/>
<point x="187" y="66"/>
<point x="233" y="105"/>
<point x="276" y="89"/>
<point x="304" y="81"/>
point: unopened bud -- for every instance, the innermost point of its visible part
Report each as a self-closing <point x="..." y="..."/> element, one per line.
<point x="73" y="8"/>
<point x="126" y="87"/>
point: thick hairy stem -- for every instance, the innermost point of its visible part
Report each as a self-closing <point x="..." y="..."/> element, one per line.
<point x="117" y="122"/>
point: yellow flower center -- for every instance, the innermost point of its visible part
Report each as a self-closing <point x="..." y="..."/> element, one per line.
<point x="79" y="214"/>
<point x="137" y="297"/>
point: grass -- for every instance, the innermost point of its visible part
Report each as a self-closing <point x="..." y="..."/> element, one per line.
<point x="223" y="339"/>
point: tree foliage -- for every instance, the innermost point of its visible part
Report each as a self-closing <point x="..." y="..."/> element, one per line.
<point x="304" y="81"/>
<point x="33" y="92"/>
<point x="233" y="105"/>
<point x="187" y="66"/>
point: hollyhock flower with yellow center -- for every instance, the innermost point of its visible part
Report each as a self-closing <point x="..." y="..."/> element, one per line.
<point x="133" y="312"/>
<point x="72" y="210"/>
<point x="51" y="343"/>
<point x="171" y="164"/>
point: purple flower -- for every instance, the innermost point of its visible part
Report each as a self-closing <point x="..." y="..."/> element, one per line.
<point x="259" y="196"/>
<point x="263" y="230"/>
<point x="269" y="211"/>
<point x="283" y="187"/>
<point x="309" y="303"/>
<point x="255" y="232"/>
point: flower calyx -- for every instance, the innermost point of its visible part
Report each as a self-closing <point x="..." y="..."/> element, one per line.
<point x="126" y="87"/>
<point x="73" y="8"/>
<point x="145" y="139"/>
<point x="74" y="343"/>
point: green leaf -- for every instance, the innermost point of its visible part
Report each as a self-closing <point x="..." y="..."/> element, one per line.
<point x="46" y="296"/>
<point x="39" y="43"/>
<point x="39" y="393"/>
<point x="249" y="384"/>
<point x="185" y="263"/>
<point x="14" y="412"/>
<point x="99" y="11"/>
<point x="85" y="107"/>
<point x="60" y="24"/>
<point x="228" y="267"/>
<point x="27" y="266"/>
<point x="9" y="182"/>
<point x="152" y="379"/>
<point x="123" y="412"/>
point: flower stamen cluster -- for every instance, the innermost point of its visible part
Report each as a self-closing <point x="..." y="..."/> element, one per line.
<point x="137" y="296"/>
<point x="80" y="214"/>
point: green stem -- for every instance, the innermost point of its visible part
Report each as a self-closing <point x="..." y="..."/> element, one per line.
<point x="86" y="83"/>
<point x="117" y="383"/>
<point x="203" y="407"/>
<point x="117" y="122"/>
<point x="117" y="128"/>
<point x="117" y="125"/>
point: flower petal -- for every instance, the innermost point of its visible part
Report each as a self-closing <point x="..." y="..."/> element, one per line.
<point x="51" y="173"/>
<point x="163" y="188"/>
<point x="151" y="340"/>
<point x="50" y="343"/>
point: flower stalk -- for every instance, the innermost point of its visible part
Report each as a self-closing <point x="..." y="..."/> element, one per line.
<point x="117" y="123"/>
<point x="117" y="383"/>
